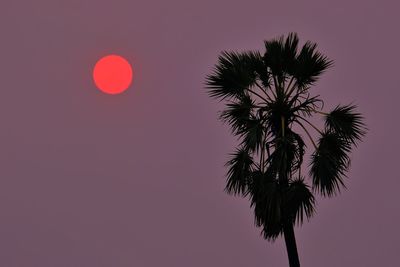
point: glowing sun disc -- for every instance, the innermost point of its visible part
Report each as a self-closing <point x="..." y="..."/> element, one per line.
<point x="112" y="74"/>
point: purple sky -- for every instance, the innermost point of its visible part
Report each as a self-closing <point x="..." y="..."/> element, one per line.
<point x="91" y="180"/>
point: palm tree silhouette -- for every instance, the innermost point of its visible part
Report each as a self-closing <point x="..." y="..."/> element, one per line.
<point x="267" y="97"/>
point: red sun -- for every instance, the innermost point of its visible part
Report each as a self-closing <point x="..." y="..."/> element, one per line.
<point x="112" y="74"/>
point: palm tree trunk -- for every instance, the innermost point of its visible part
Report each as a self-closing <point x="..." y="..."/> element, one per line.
<point x="291" y="247"/>
<point x="288" y="230"/>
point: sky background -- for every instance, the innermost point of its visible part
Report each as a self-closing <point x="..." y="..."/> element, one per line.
<point x="89" y="179"/>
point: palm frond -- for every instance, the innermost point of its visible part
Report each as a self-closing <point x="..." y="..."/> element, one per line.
<point x="290" y="53"/>
<point x="310" y="65"/>
<point x="260" y="184"/>
<point x="234" y="73"/>
<point x="329" y="163"/>
<point x="280" y="55"/>
<point x="299" y="201"/>
<point x="273" y="57"/>
<point x="346" y="122"/>
<point x="239" y="171"/>
<point x="266" y="201"/>
<point x="252" y="134"/>
<point x="272" y="230"/>
<point x="257" y="64"/>
<point x="238" y="113"/>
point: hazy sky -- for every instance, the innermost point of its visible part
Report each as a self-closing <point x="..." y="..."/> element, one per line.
<point x="88" y="179"/>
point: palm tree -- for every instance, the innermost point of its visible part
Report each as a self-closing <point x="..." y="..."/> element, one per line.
<point x="268" y="102"/>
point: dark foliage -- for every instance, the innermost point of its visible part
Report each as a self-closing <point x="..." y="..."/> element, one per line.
<point x="239" y="171"/>
<point x="299" y="201"/>
<point x="329" y="163"/>
<point x="346" y="122"/>
<point x="234" y="73"/>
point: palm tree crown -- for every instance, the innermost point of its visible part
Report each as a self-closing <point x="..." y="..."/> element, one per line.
<point x="266" y="96"/>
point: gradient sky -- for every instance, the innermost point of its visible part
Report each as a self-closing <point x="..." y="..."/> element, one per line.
<point x="92" y="180"/>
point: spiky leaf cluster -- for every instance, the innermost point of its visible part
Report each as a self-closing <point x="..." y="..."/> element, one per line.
<point x="234" y="73"/>
<point x="346" y="122"/>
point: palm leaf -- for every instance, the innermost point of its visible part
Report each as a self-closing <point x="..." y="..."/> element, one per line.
<point x="261" y="70"/>
<point x="310" y="65"/>
<point x="346" y="122"/>
<point x="299" y="201"/>
<point x="266" y="200"/>
<point x="239" y="171"/>
<point x="290" y="53"/>
<point x="238" y="113"/>
<point x="234" y="73"/>
<point x="329" y="163"/>
<point x="280" y="55"/>
<point x="252" y="134"/>
<point x="273" y="56"/>
<point x="256" y="63"/>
